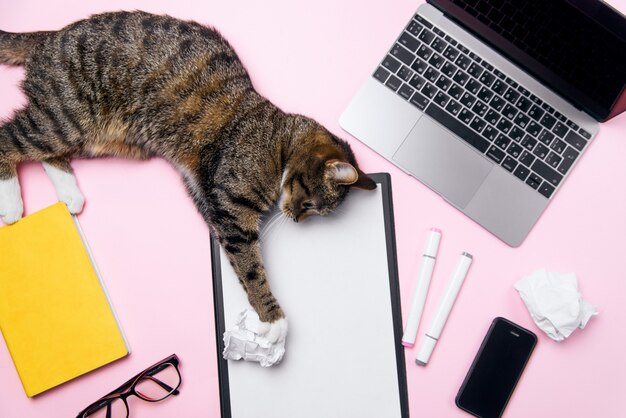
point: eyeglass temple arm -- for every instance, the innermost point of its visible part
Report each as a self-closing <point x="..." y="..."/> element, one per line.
<point x="163" y="385"/>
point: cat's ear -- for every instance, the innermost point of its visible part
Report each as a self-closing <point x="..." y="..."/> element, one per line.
<point x="364" y="181"/>
<point x="344" y="173"/>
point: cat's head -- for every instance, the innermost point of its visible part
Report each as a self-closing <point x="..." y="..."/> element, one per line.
<point x="319" y="178"/>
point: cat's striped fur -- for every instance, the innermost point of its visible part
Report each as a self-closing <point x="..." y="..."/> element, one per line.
<point x="132" y="84"/>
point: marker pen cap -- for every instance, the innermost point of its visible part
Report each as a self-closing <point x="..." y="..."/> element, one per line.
<point x="433" y="242"/>
<point x="426" y="349"/>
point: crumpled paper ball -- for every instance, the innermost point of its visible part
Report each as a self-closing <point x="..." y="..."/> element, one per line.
<point x="554" y="302"/>
<point x="253" y="340"/>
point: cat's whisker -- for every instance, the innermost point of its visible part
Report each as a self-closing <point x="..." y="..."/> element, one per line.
<point x="271" y="224"/>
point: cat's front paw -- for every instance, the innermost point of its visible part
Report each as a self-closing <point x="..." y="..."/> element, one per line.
<point x="73" y="198"/>
<point x="11" y="205"/>
<point x="275" y="331"/>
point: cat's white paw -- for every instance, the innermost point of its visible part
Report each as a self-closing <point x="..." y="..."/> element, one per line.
<point x="66" y="188"/>
<point x="11" y="206"/>
<point x="275" y="331"/>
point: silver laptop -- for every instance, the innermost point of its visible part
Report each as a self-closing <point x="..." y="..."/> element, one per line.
<point x="491" y="103"/>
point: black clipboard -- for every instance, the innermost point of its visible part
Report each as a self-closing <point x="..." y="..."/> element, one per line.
<point x="383" y="181"/>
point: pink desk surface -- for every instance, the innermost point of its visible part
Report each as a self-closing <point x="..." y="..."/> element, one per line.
<point x="152" y="247"/>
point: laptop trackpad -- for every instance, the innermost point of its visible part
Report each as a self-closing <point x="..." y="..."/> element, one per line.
<point x="443" y="162"/>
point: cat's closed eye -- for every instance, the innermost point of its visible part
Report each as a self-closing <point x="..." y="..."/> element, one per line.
<point x="307" y="204"/>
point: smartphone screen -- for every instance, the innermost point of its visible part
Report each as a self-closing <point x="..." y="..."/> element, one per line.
<point x="496" y="369"/>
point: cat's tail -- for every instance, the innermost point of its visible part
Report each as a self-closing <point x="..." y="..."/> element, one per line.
<point x="15" y="47"/>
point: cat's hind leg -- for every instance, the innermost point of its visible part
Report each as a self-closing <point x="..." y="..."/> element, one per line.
<point x="11" y="206"/>
<point x="31" y="135"/>
<point x="61" y="174"/>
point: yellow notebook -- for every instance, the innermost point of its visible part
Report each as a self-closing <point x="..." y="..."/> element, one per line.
<point x="54" y="313"/>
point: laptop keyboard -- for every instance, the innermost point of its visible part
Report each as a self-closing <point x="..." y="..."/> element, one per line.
<point x="483" y="106"/>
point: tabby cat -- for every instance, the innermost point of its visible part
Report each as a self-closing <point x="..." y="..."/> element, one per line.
<point x="132" y="84"/>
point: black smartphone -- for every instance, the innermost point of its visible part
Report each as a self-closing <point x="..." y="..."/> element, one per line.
<point x="496" y="369"/>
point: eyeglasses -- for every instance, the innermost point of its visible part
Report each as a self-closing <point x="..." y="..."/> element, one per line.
<point x="153" y="384"/>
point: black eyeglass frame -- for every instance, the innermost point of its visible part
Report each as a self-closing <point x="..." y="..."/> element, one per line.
<point x="127" y="389"/>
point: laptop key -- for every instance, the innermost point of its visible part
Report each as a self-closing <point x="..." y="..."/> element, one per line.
<point x="541" y="151"/>
<point x="485" y="94"/>
<point x="429" y="90"/>
<point x="521" y="172"/>
<point x="553" y="160"/>
<point x="402" y="54"/>
<point x="393" y="83"/>
<point x="511" y="95"/>
<point x="527" y="158"/>
<point x="504" y="125"/>
<point x="502" y="141"/>
<point x="535" y="112"/>
<point x="451" y="53"/>
<point x="449" y="69"/>
<point x="404" y="73"/>
<point x="499" y="87"/>
<point x="490" y="133"/>
<point x="509" y="111"/>
<point x="473" y="86"/>
<point x="569" y="156"/>
<point x="528" y="142"/>
<point x="474" y="70"/>
<point x="454" y="107"/>
<point x="495" y="154"/>
<point x="523" y="104"/>
<point x="423" y="21"/>
<point x="492" y="116"/>
<point x="533" y="181"/>
<point x="533" y="128"/>
<point x="487" y="78"/>
<point x="467" y="99"/>
<point x="414" y="28"/>
<point x="497" y="103"/>
<point x="545" y="137"/>
<point x="478" y="124"/>
<point x="466" y="116"/>
<point x="406" y="91"/>
<point x="391" y="63"/>
<point x="424" y="52"/>
<point x="521" y="120"/>
<point x="461" y="77"/>
<point x="545" y="171"/>
<point x="516" y="134"/>
<point x="546" y="190"/>
<point x="381" y="74"/>
<point x="431" y="74"/>
<point x="560" y="129"/>
<point x="417" y="82"/>
<point x="584" y="133"/>
<point x="441" y="99"/>
<point x="439" y="45"/>
<point x="426" y="37"/>
<point x="419" y="100"/>
<point x="463" y="62"/>
<point x="509" y="163"/>
<point x="457" y="127"/>
<point x="443" y="82"/>
<point x="558" y="146"/>
<point x="575" y="140"/>
<point x="409" y="42"/>
<point x="547" y="121"/>
<point x="480" y="108"/>
<point x="514" y="150"/>
<point x="419" y="66"/>
<point x="456" y="91"/>
<point x="437" y="60"/>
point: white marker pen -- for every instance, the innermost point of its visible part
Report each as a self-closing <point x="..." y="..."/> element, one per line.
<point x="445" y="306"/>
<point x="421" y="288"/>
